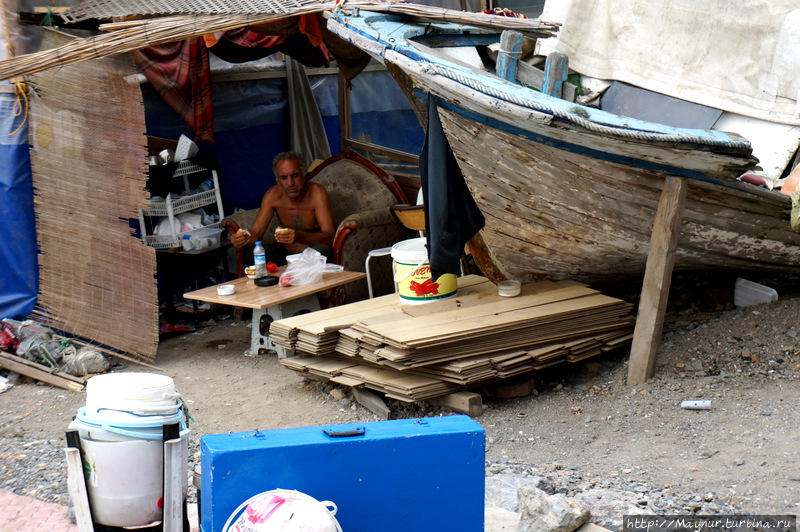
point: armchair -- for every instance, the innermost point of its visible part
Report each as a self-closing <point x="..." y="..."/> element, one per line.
<point x="361" y="195"/>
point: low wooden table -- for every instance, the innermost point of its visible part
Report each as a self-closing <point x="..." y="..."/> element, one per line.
<point x="271" y="303"/>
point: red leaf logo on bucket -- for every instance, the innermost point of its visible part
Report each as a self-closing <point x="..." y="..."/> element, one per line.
<point x="423" y="289"/>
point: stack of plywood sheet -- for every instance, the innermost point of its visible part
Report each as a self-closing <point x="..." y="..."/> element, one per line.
<point x="414" y="352"/>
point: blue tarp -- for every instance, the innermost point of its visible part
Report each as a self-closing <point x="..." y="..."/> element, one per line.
<point x="18" y="261"/>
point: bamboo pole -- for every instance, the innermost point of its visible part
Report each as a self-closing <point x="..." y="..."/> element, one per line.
<point x="150" y="33"/>
<point x="133" y="35"/>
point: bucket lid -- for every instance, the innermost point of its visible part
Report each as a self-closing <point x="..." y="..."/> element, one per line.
<point x="411" y="250"/>
<point x="129" y="426"/>
<point x="143" y="393"/>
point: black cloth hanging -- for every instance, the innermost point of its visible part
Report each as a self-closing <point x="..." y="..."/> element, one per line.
<point x="451" y="215"/>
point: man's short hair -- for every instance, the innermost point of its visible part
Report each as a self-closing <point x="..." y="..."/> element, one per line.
<point x="290" y="155"/>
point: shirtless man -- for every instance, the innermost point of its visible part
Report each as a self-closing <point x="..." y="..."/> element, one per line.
<point x="303" y="209"/>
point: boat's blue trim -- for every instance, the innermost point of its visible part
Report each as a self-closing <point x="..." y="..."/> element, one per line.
<point x="571" y="147"/>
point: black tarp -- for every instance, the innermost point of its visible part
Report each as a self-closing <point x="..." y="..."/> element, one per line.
<point x="451" y="215"/>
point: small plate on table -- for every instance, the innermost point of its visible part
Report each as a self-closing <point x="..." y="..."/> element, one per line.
<point x="269" y="280"/>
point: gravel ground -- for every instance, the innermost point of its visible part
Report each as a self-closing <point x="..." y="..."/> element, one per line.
<point x="582" y="432"/>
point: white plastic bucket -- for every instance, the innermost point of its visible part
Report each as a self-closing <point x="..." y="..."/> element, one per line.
<point x="412" y="274"/>
<point x="123" y="449"/>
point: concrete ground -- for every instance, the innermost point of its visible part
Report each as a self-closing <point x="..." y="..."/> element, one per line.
<point x="26" y="514"/>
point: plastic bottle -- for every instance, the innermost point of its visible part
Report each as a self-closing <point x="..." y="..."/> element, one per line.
<point x="260" y="260"/>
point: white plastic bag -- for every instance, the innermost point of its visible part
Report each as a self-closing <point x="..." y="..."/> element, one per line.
<point x="307" y="268"/>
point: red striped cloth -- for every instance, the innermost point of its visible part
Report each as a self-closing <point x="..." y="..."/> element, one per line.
<point x="179" y="72"/>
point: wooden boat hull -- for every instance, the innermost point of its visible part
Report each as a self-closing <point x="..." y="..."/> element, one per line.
<point x="572" y="192"/>
<point x="553" y="213"/>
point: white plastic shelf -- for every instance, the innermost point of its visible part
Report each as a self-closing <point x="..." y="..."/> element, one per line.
<point x="175" y="205"/>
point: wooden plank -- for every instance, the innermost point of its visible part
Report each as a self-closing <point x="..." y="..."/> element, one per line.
<point x="76" y="486"/>
<point x="374" y="148"/>
<point x="48" y="9"/>
<point x="415" y="333"/>
<point x="372" y="402"/>
<point x="223" y="77"/>
<point x="344" y="112"/>
<point x="657" y="278"/>
<point x="508" y="55"/>
<point x="469" y="403"/>
<point x="249" y="295"/>
<point x="534" y="77"/>
<point x="41" y="373"/>
<point x="555" y="73"/>
<point x="174" y="484"/>
<point x="345" y="315"/>
<point x="47" y="369"/>
<point x="347" y="381"/>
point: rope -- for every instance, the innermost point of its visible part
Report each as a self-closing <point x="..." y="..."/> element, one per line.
<point x="47" y="20"/>
<point x="575" y="118"/>
<point x="22" y="98"/>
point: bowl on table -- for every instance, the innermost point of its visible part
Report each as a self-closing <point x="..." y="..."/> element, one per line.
<point x="226" y="289"/>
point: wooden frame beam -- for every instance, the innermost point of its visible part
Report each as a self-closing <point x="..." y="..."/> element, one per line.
<point x="344" y="112"/>
<point x="346" y="139"/>
<point x="657" y="278"/>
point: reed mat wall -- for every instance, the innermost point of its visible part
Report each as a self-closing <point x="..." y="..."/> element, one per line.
<point x="88" y="159"/>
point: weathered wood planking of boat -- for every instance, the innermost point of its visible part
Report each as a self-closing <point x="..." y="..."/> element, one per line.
<point x="571" y="191"/>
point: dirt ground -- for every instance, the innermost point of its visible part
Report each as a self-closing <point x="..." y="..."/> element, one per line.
<point x="742" y="454"/>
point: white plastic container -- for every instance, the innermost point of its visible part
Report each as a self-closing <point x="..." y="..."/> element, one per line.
<point x="510" y="288"/>
<point x="748" y="293"/>
<point x="412" y="274"/>
<point x="121" y="430"/>
<point x="696" y="404"/>
<point x="134" y="392"/>
<point x="202" y="238"/>
<point x="226" y="290"/>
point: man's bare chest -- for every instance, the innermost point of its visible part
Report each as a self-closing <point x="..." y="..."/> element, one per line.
<point x="298" y="217"/>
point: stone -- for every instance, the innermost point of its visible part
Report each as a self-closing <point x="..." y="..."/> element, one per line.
<point x="517" y="388"/>
<point x="541" y="512"/>
<point x="500" y="520"/>
<point x="338" y="394"/>
<point x="501" y="489"/>
<point x="738" y="461"/>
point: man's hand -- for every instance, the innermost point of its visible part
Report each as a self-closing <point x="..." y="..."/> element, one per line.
<point x="285" y="235"/>
<point x="240" y="238"/>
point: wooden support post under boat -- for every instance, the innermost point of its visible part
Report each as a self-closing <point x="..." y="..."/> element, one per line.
<point x="509" y="54"/>
<point x="657" y="278"/>
<point x="556" y="68"/>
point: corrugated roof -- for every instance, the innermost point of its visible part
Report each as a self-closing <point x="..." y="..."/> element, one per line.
<point x="107" y="9"/>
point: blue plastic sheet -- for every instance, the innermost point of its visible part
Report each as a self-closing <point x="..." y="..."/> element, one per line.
<point x="18" y="261"/>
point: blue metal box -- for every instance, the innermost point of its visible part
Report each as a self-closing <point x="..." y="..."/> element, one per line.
<point x="410" y="474"/>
